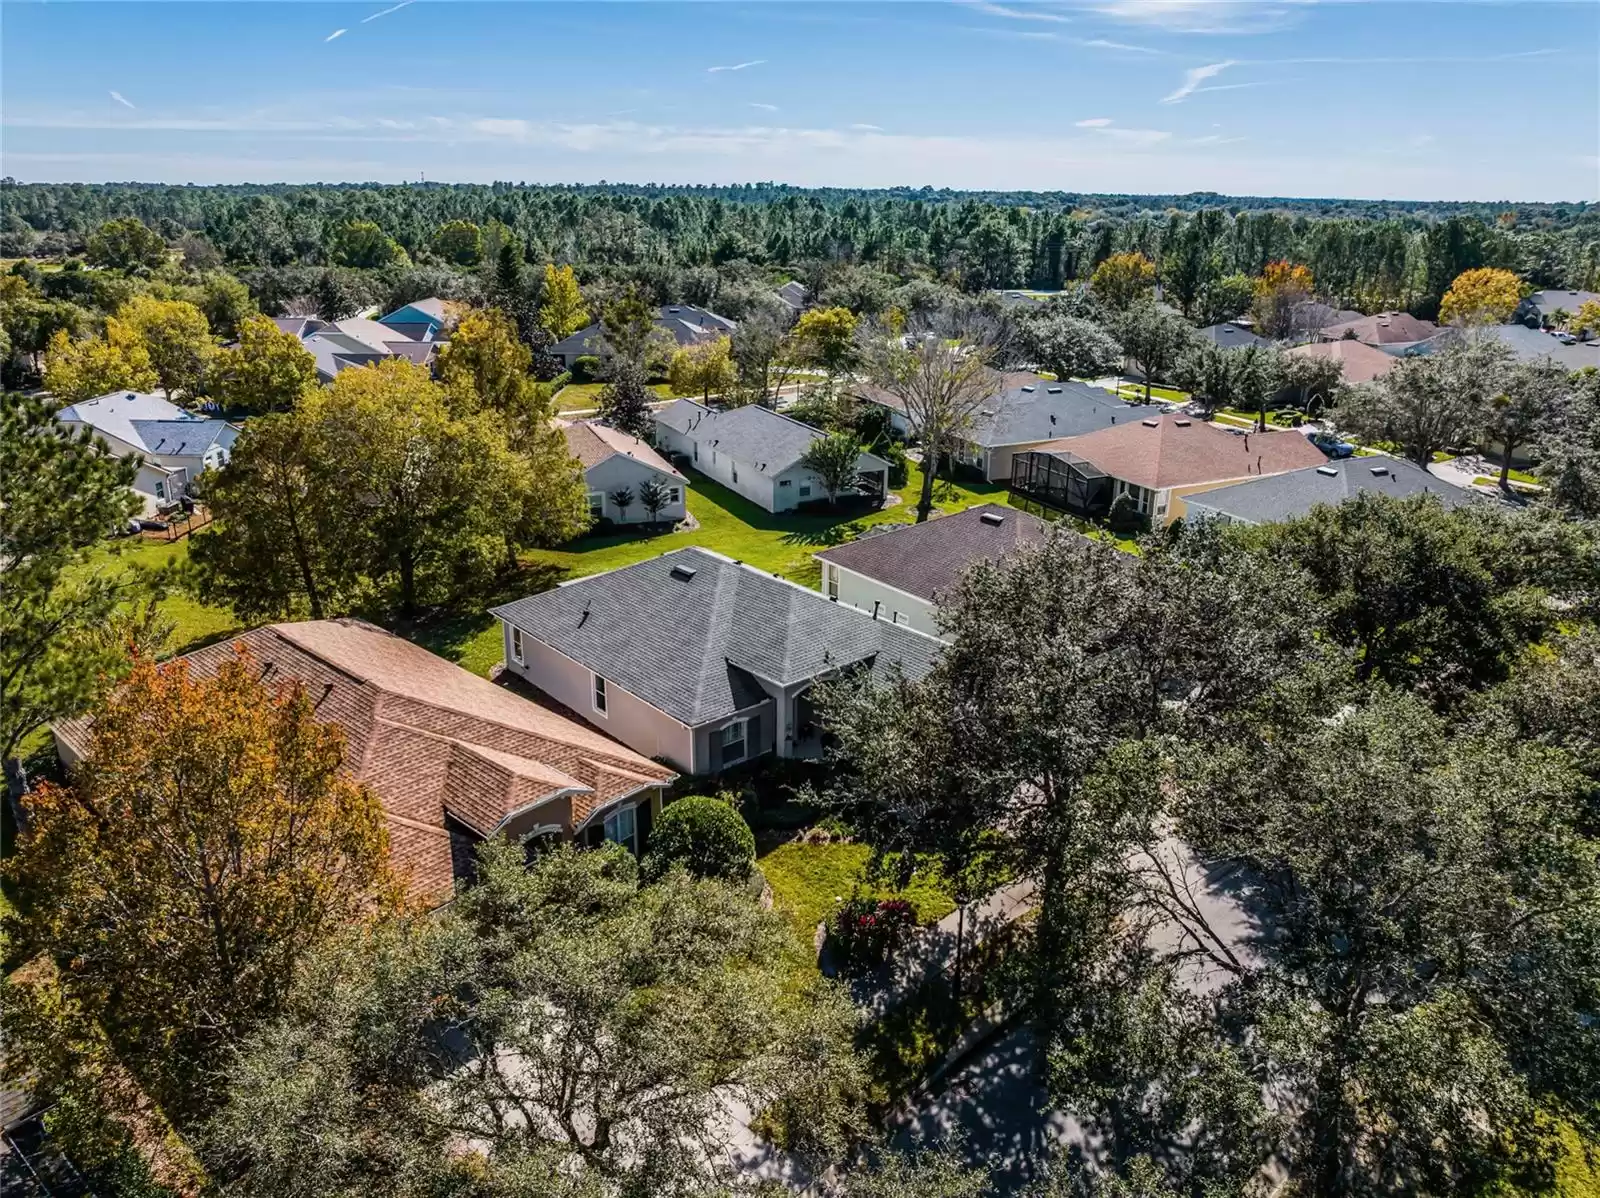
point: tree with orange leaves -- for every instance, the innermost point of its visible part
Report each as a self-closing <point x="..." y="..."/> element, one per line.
<point x="1282" y="287"/>
<point x="207" y="841"/>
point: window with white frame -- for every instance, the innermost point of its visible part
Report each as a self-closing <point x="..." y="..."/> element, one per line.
<point x="674" y="495"/>
<point x="597" y="504"/>
<point x="600" y="694"/>
<point x="516" y="645"/>
<point x="832" y="572"/>
<point x="783" y="482"/>
<point x="735" y="739"/>
<point x="161" y="490"/>
<point x="622" y="827"/>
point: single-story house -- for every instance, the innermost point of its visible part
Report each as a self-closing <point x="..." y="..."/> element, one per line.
<point x="756" y="452"/>
<point x="176" y="446"/>
<point x="422" y="320"/>
<point x="1393" y="331"/>
<point x="795" y="295"/>
<point x="1310" y="315"/>
<point x="1358" y="361"/>
<point x="699" y="660"/>
<point x="684" y="323"/>
<point x="453" y="758"/>
<point x="1232" y="335"/>
<point x="1156" y="462"/>
<point x="898" y="572"/>
<point x="416" y="335"/>
<point x="1541" y="307"/>
<point x="1025" y="410"/>
<point x="612" y="462"/>
<point x="1295" y="493"/>
<point x="1526" y="345"/>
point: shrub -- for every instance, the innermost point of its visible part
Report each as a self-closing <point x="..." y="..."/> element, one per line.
<point x="899" y="472"/>
<point x="706" y="836"/>
<point x="1125" y="517"/>
<point x="585" y="368"/>
<point x="865" y="931"/>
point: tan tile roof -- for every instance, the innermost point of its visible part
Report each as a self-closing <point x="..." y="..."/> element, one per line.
<point x="1360" y="362"/>
<point x="592" y="444"/>
<point x="438" y="745"/>
<point x="1172" y="451"/>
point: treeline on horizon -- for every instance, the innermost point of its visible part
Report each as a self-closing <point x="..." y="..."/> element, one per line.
<point x="1370" y="255"/>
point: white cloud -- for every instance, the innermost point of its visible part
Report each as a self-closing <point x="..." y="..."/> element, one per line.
<point x="1193" y="78"/>
<point x="1100" y="43"/>
<point x="1094" y="122"/>
<point x="335" y="33"/>
<point x="1204" y="16"/>
<point x="865" y="128"/>
<point x="764" y="107"/>
<point x="387" y="11"/>
<point x="122" y="99"/>
<point x="738" y="66"/>
<point x="1021" y="14"/>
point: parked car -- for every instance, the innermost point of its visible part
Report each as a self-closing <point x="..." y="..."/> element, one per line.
<point x="1331" y="445"/>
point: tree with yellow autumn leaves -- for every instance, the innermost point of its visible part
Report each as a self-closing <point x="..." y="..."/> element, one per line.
<point x="1483" y="296"/>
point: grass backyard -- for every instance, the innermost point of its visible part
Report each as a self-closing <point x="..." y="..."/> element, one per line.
<point x="809" y="880"/>
<point x="585" y="397"/>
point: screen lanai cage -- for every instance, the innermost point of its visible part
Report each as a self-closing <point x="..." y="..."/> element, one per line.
<point x="1063" y="481"/>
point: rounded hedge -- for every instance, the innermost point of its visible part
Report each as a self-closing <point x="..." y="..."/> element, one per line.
<point x="705" y="835"/>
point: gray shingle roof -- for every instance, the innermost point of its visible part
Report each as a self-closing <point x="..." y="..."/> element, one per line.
<point x="687" y="324"/>
<point x="1026" y="408"/>
<point x="1228" y="335"/>
<point x="1285" y="496"/>
<point x="1526" y="345"/>
<point x="927" y="559"/>
<point x="767" y="440"/>
<point x="688" y="645"/>
<point x="1547" y="302"/>
<point x="183" y="438"/>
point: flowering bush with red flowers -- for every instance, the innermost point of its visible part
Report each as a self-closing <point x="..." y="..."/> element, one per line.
<point x="864" y="931"/>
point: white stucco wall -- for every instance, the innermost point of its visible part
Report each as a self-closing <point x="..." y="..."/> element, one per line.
<point x="896" y="606"/>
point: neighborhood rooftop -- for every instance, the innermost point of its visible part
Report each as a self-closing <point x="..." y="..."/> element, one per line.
<point x="1295" y="493"/>
<point x="686" y="631"/>
<point x="767" y="440"/>
<point x="593" y="443"/>
<point x="1026" y="408"/>
<point x="928" y="559"/>
<point x="1172" y="451"/>
<point x="150" y="424"/>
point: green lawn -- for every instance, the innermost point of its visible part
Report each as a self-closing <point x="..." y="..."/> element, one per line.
<point x="197" y="623"/>
<point x="1166" y="394"/>
<point x="584" y="397"/>
<point x="808" y="881"/>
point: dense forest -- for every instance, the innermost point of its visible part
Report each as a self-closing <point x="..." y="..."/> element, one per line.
<point x="1366" y="255"/>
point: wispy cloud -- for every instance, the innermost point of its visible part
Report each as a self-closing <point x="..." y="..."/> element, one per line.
<point x="1193" y="78"/>
<point x="1100" y="43"/>
<point x="865" y="128"/>
<point x="1094" y="122"/>
<point x="738" y="66"/>
<point x="335" y="33"/>
<point x="122" y="99"/>
<point x="1204" y="16"/>
<point x="1021" y="14"/>
<point x="764" y="107"/>
<point x="387" y="11"/>
<point x="1016" y="35"/>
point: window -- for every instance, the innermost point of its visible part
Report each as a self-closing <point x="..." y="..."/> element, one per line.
<point x="597" y="504"/>
<point x="736" y="472"/>
<point x="161" y="490"/>
<point x="735" y="742"/>
<point x="783" y="482"/>
<point x="805" y="490"/>
<point x="622" y="828"/>
<point x="832" y="572"/>
<point x="600" y="694"/>
<point x="674" y="495"/>
<point x="516" y="645"/>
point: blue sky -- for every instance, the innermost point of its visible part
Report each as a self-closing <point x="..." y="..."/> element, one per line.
<point x="1281" y="97"/>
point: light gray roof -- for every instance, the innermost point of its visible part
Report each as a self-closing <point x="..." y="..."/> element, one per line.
<point x="1286" y="496"/>
<point x="687" y="324"/>
<point x="1029" y="408"/>
<point x="767" y="440"/>
<point x="795" y="294"/>
<point x="1228" y="335"/>
<point x="183" y="438"/>
<point x="687" y="631"/>
<point x="1528" y="345"/>
<point x="1546" y="302"/>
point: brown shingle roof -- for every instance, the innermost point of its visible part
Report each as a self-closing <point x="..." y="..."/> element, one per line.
<point x="1172" y="451"/>
<point x="927" y="559"/>
<point x="1384" y="328"/>
<point x="592" y="444"/>
<point x="436" y="744"/>
<point x="1360" y="362"/>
